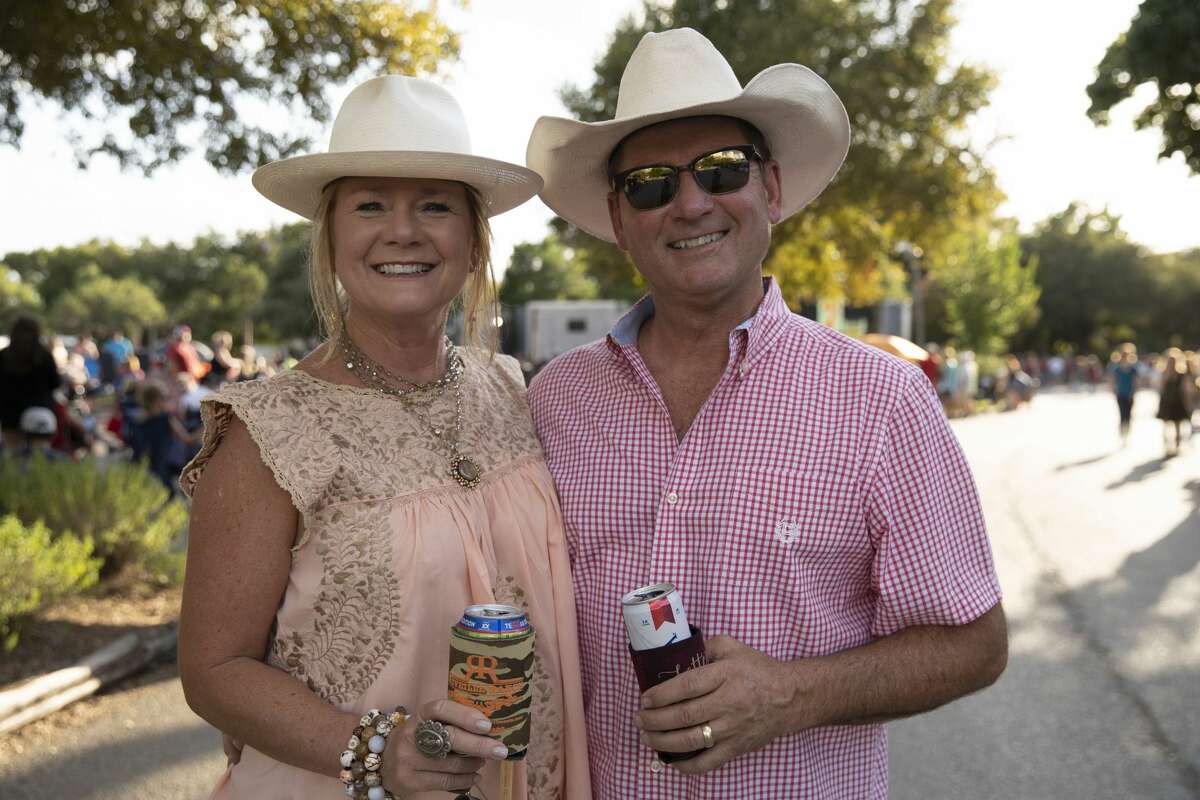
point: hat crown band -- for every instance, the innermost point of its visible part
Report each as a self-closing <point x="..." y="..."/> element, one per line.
<point x="672" y="70"/>
<point x="397" y="113"/>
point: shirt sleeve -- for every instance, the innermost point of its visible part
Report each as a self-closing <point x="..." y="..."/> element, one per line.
<point x="933" y="562"/>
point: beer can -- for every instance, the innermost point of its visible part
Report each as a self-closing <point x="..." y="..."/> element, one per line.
<point x="491" y="670"/>
<point x="654" y="616"/>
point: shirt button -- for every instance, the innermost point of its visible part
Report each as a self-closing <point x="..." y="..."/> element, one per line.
<point x="656" y="766"/>
<point x="672" y="498"/>
<point x="743" y="368"/>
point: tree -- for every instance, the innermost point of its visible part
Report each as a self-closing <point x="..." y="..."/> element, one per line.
<point x="1162" y="47"/>
<point x="287" y="311"/>
<point x="911" y="173"/>
<point x="546" y="270"/>
<point x="17" y="298"/>
<point x="151" y="70"/>
<point x="985" y="293"/>
<point x="100" y="302"/>
<point x="1097" y="287"/>
<point x="228" y="299"/>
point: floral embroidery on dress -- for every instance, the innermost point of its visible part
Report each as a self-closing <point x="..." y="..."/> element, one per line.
<point x="543" y="763"/>
<point x="353" y="629"/>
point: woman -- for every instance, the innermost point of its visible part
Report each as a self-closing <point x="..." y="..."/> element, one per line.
<point x="1174" y="400"/>
<point x="28" y="378"/>
<point x="348" y="510"/>
<point x="225" y="365"/>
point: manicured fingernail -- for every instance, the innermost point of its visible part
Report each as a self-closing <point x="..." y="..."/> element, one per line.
<point x="500" y="752"/>
<point x="484" y="725"/>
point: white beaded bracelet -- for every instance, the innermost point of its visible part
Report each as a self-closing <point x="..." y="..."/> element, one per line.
<point x="363" y="757"/>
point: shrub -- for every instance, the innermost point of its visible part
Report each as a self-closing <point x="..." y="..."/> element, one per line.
<point x="37" y="569"/>
<point x="121" y="508"/>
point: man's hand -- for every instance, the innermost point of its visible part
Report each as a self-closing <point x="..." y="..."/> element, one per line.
<point x="744" y="696"/>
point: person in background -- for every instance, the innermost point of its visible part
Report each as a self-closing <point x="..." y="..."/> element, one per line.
<point x="226" y="367"/>
<point x="1174" y="400"/>
<point x="947" y="384"/>
<point x="181" y="354"/>
<point x="158" y="437"/>
<point x="28" y="378"/>
<point x="1123" y="370"/>
<point x="802" y="489"/>
<point x="967" y="385"/>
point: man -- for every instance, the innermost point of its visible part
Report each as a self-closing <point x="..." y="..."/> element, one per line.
<point x="803" y="491"/>
<point x="182" y="355"/>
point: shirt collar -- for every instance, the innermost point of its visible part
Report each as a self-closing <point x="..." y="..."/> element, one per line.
<point x="758" y="326"/>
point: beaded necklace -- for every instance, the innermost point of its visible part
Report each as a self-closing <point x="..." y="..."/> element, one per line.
<point x="420" y="398"/>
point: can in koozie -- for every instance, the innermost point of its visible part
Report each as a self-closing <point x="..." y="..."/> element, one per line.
<point x="491" y="669"/>
<point x="654" y="616"/>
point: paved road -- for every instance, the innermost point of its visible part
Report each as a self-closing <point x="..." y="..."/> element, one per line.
<point x="1098" y="550"/>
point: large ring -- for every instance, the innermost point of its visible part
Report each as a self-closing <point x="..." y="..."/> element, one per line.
<point x="433" y="738"/>
<point x="706" y="732"/>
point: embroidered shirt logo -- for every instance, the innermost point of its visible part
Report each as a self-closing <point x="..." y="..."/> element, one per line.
<point x="786" y="531"/>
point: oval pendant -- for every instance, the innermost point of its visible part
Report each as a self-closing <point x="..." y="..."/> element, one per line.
<point x="465" y="471"/>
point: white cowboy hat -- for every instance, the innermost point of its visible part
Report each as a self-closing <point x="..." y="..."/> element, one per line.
<point x="397" y="127"/>
<point x="679" y="73"/>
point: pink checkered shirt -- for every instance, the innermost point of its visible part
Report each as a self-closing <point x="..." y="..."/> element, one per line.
<point x="818" y="502"/>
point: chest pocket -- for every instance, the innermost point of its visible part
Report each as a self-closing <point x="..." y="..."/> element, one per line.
<point x="785" y="533"/>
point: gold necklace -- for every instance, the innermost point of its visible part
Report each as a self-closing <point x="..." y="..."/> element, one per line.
<point x="420" y="397"/>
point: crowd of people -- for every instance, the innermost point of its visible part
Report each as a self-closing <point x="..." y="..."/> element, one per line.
<point x="70" y="397"/>
<point x="1011" y="382"/>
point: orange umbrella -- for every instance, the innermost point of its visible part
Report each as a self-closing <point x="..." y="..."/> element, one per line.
<point x="897" y="346"/>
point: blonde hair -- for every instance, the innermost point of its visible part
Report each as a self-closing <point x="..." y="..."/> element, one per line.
<point x="478" y="297"/>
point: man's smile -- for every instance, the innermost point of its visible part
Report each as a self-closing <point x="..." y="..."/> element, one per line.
<point x="697" y="241"/>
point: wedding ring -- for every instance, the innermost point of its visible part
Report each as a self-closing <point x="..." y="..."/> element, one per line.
<point x="706" y="732"/>
<point x="433" y="738"/>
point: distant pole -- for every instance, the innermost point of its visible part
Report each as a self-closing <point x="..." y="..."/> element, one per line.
<point x="910" y="256"/>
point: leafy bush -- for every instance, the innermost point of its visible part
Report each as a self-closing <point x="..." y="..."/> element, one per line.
<point x="37" y="569"/>
<point x="121" y="508"/>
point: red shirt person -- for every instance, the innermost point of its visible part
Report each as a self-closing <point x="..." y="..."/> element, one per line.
<point x="182" y="355"/>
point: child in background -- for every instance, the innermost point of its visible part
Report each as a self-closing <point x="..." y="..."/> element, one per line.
<point x="159" y="437"/>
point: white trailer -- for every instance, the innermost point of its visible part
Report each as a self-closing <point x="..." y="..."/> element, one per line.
<point x="552" y="327"/>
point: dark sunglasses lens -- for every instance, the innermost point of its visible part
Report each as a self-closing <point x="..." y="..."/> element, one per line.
<point x="723" y="171"/>
<point x="651" y="187"/>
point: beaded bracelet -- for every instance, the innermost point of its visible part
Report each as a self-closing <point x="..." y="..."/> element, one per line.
<point x="363" y="756"/>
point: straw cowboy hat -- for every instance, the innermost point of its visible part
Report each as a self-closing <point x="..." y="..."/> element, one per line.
<point x="400" y="127"/>
<point x="679" y="73"/>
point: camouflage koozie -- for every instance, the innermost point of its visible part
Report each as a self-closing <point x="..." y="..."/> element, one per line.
<point x="494" y="676"/>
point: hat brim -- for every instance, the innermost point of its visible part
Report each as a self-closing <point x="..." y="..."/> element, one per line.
<point x="297" y="183"/>
<point x="802" y="118"/>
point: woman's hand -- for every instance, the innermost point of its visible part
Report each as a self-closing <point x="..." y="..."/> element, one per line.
<point x="406" y="769"/>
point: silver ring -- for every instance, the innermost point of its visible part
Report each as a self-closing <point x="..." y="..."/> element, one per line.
<point x="432" y="738"/>
<point x="706" y="732"/>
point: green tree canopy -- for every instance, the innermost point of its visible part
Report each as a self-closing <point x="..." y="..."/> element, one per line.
<point x="17" y="298"/>
<point x="150" y="70"/>
<point x="101" y="302"/>
<point x="546" y="270"/>
<point x="211" y="284"/>
<point x="911" y="174"/>
<point x="1161" y="47"/>
<point x="984" y="292"/>
<point x="1097" y="287"/>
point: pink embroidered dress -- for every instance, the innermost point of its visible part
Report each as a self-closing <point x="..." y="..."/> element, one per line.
<point x="392" y="550"/>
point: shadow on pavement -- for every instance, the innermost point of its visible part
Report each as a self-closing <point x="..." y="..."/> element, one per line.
<point x="1140" y="473"/>
<point x="1083" y="463"/>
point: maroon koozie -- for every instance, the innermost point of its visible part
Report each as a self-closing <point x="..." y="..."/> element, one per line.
<point x="663" y="663"/>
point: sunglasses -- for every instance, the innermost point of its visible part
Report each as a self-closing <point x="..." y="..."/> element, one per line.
<point x="717" y="172"/>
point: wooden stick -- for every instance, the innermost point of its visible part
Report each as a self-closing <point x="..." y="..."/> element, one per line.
<point x="506" y="780"/>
